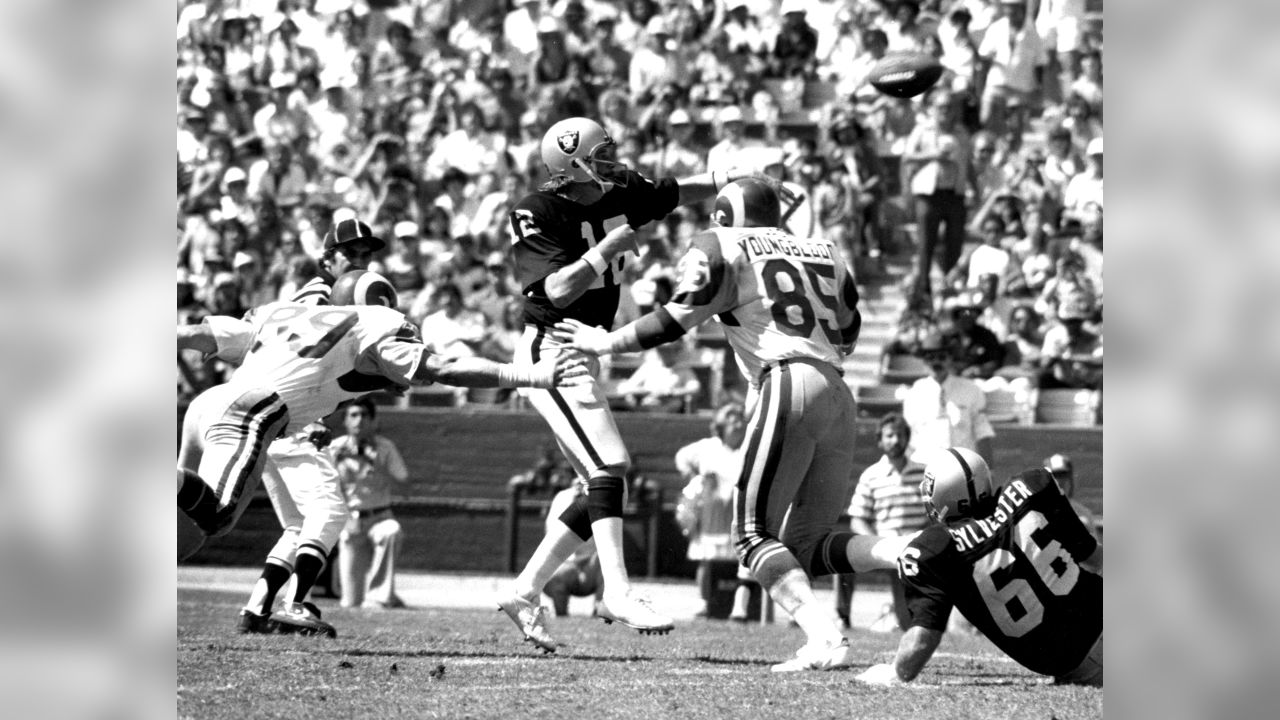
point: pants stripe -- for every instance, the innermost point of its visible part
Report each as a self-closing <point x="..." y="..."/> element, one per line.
<point x="740" y="518"/>
<point x="753" y="495"/>
<point x="254" y="415"/>
<point x="536" y="354"/>
<point x="262" y="428"/>
<point x="775" y="440"/>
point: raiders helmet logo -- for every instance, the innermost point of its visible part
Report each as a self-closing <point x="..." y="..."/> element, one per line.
<point x="926" y="485"/>
<point x="568" y="141"/>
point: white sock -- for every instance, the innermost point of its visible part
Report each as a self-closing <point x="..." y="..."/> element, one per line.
<point x="818" y="625"/>
<point x="608" y="534"/>
<point x="556" y="547"/>
<point x="794" y="594"/>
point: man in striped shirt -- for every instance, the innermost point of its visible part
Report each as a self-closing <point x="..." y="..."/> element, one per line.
<point x="349" y="245"/>
<point x="887" y="502"/>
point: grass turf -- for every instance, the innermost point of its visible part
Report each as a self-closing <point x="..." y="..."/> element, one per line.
<point x="448" y="663"/>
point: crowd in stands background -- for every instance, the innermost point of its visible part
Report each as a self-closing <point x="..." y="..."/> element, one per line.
<point x="423" y="119"/>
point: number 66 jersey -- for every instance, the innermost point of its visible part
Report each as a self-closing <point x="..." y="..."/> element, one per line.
<point x="316" y="357"/>
<point x="1015" y="575"/>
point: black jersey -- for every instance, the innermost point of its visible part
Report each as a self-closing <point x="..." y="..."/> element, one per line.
<point x="1014" y="574"/>
<point x="552" y="232"/>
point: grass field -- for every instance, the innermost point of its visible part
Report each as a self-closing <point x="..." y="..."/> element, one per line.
<point x="465" y="663"/>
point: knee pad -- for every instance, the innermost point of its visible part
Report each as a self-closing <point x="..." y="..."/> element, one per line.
<point x="605" y="496"/>
<point x="578" y="518"/>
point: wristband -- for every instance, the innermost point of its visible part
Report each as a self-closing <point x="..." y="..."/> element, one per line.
<point x="512" y="376"/>
<point x="595" y="260"/>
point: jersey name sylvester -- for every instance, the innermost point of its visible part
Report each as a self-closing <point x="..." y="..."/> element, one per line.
<point x="975" y="532"/>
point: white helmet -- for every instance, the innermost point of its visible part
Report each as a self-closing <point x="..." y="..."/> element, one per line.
<point x="579" y="150"/>
<point x="957" y="485"/>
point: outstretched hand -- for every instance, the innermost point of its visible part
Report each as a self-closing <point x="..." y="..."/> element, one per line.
<point x="576" y="335"/>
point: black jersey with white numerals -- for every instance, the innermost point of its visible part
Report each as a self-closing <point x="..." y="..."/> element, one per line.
<point x="550" y="232"/>
<point x="1014" y="574"/>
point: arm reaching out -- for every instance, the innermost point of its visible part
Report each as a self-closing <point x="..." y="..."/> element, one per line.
<point x="197" y="337"/>
<point x="565" y="370"/>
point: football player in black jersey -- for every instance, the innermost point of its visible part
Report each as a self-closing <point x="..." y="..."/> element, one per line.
<point x="571" y="238"/>
<point x="1015" y="560"/>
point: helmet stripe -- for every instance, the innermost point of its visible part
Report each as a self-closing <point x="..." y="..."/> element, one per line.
<point x="737" y="204"/>
<point x="968" y="476"/>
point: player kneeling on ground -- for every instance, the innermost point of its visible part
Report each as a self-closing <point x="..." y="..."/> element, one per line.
<point x="1015" y="560"/>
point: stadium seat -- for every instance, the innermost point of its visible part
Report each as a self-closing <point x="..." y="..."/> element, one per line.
<point x="901" y="369"/>
<point x="1067" y="407"/>
<point x="1004" y="405"/>
<point x="433" y="396"/>
<point x="876" y="400"/>
<point x="385" y="398"/>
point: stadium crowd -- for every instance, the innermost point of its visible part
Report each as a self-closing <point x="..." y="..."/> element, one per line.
<point x="423" y="118"/>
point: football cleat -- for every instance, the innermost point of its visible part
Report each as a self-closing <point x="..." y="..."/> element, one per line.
<point x="302" y="619"/>
<point x="255" y="624"/>
<point x="634" y="612"/>
<point x="818" y="657"/>
<point x="531" y="618"/>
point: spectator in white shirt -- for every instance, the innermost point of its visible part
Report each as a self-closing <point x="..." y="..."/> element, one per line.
<point x="945" y="410"/>
<point x="1085" y="188"/>
<point x="1012" y="56"/>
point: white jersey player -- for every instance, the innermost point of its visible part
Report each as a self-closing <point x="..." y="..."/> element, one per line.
<point x="299" y="364"/>
<point x="299" y="475"/>
<point x="788" y="306"/>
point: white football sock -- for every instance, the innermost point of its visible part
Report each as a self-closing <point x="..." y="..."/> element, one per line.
<point x="556" y="547"/>
<point x="608" y="534"/>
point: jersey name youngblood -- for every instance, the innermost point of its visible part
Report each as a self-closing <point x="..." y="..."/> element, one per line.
<point x="754" y="246"/>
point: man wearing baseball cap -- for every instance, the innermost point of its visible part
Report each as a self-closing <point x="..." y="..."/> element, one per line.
<point x="349" y="245"/>
<point x="1085" y="188"/>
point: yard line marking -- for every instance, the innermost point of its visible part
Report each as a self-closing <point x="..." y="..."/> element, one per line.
<point x="966" y="656"/>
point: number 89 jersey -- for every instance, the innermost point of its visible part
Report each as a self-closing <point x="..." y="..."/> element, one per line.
<point x="778" y="296"/>
<point x="1014" y="574"/>
<point x="316" y="357"/>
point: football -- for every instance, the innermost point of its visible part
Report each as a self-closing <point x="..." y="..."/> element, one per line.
<point x="905" y="74"/>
